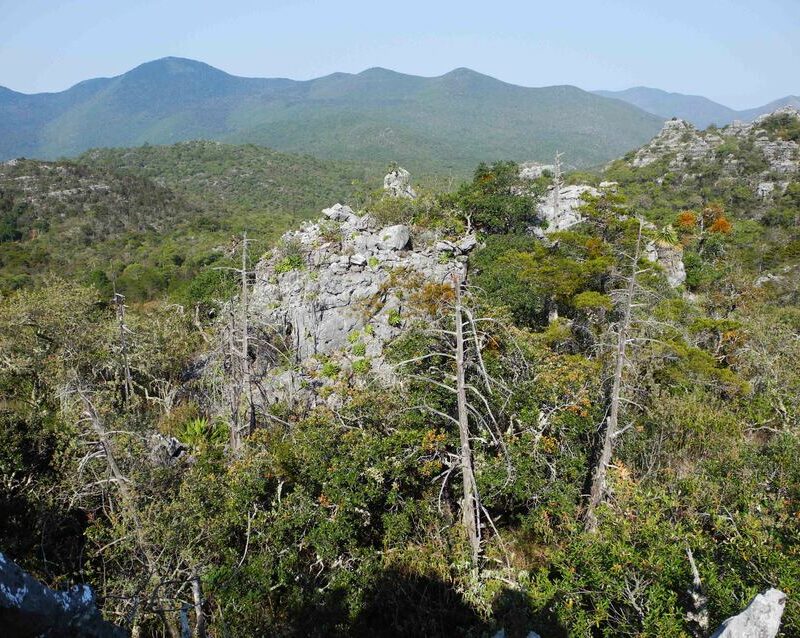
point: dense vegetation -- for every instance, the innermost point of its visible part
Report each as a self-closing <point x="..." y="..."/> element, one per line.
<point x="346" y="520"/>
<point x="443" y="125"/>
<point x="156" y="219"/>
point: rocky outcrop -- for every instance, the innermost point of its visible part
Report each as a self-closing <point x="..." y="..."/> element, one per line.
<point x="760" y="619"/>
<point x="28" y="608"/>
<point x="397" y="183"/>
<point x="684" y="146"/>
<point x="563" y="211"/>
<point x="341" y="298"/>
<point x="678" y="138"/>
<point x="534" y="170"/>
<point x="670" y="258"/>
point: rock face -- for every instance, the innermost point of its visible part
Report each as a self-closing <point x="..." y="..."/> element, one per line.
<point x="760" y="619"/>
<point x="685" y="146"/>
<point x="534" y="170"/>
<point x="670" y="258"/>
<point x="678" y="137"/>
<point x="569" y="201"/>
<point x="28" y="608"/>
<point x="397" y="183"/>
<point x="347" y="299"/>
<point x="394" y="237"/>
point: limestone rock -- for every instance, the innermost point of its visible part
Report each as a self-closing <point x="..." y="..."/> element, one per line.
<point x="676" y="137"/>
<point x="765" y="189"/>
<point x="687" y="149"/>
<point x="397" y="183"/>
<point x="671" y="260"/>
<point x="760" y="619"/>
<point x="340" y="213"/>
<point x="468" y="243"/>
<point x="165" y="450"/>
<point x="534" y="170"/>
<point x="358" y="260"/>
<point x="29" y="609"/>
<point x="394" y="237"/>
<point x="570" y="199"/>
<point x="346" y="291"/>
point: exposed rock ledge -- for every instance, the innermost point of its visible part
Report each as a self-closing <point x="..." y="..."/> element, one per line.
<point x="760" y="619"/>
<point x="28" y="608"/>
<point x="343" y="293"/>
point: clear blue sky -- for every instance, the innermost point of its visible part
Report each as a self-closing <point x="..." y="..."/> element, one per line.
<point x="739" y="52"/>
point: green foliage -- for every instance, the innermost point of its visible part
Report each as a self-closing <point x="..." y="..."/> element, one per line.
<point x="341" y="516"/>
<point x="782" y="126"/>
<point x="361" y="366"/>
<point x="163" y="212"/>
<point x="495" y="200"/>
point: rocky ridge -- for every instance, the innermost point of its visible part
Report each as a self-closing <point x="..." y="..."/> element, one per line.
<point x="336" y="292"/>
<point x="685" y="147"/>
<point x="566" y="213"/>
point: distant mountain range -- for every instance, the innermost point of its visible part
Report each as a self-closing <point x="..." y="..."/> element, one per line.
<point x="696" y="109"/>
<point x="446" y="123"/>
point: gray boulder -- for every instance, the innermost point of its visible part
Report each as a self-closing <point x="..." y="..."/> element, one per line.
<point x="394" y="237"/>
<point x="28" y="608"/>
<point x="760" y="619"/>
<point x="340" y="213"/>
<point x="397" y="183"/>
<point x="564" y="212"/>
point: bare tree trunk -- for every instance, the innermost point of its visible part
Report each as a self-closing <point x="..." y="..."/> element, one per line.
<point x="233" y="390"/>
<point x="126" y="498"/>
<point x="119" y="301"/>
<point x="197" y="597"/>
<point x="470" y="505"/>
<point x="600" y="474"/>
<point x="245" y="353"/>
<point x="698" y="617"/>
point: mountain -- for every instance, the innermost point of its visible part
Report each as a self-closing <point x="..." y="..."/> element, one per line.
<point x="446" y="123"/>
<point x="696" y="109"/>
<point x="789" y="100"/>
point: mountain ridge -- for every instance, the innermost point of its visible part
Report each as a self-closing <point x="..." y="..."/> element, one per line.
<point x="450" y="122"/>
<point x="697" y="109"/>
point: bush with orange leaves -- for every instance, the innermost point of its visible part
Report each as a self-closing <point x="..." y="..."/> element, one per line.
<point x="687" y="220"/>
<point x="712" y="220"/>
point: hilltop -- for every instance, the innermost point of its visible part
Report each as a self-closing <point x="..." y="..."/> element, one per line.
<point x="444" y="124"/>
<point x="152" y="218"/>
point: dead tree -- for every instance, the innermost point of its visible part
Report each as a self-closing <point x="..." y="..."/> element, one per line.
<point x="698" y="616"/>
<point x="119" y="302"/>
<point x="240" y="381"/>
<point x="127" y="500"/>
<point x="459" y="340"/>
<point x="611" y="431"/>
<point x="470" y="506"/>
<point x="557" y="186"/>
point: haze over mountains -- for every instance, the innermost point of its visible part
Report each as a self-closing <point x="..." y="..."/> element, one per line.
<point x="443" y="124"/>
<point x="696" y="109"/>
<point x="450" y="122"/>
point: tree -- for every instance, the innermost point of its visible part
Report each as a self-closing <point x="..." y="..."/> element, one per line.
<point x="498" y="200"/>
<point x="612" y="430"/>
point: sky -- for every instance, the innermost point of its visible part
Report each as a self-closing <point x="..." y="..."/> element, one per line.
<point x="740" y="53"/>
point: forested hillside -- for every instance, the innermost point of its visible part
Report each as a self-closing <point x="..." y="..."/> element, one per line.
<point x="501" y="407"/>
<point x="150" y="220"/>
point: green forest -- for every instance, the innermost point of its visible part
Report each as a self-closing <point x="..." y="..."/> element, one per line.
<point x="567" y="443"/>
